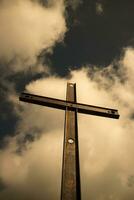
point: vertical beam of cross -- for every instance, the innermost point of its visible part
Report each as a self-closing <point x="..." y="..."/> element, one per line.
<point x="70" y="188"/>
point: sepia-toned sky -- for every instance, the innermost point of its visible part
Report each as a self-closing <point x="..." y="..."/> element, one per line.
<point x="43" y="45"/>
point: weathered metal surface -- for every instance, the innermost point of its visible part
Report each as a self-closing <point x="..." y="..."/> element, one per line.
<point x="70" y="187"/>
<point x="62" y="104"/>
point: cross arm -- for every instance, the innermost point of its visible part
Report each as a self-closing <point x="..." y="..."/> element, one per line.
<point x="62" y="104"/>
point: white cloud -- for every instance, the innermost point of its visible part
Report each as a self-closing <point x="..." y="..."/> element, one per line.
<point x="99" y="8"/>
<point x="106" y="145"/>
<point x="24" y="176"/>
<point x="27" y="28"/>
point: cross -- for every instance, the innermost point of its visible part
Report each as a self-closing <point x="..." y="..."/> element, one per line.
<point x="70" y="185"/>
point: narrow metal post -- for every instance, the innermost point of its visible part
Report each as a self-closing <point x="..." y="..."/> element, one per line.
<point x="70" y="186"/>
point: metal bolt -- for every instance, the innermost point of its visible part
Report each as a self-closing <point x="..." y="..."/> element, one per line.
<point x="70" y="141"/>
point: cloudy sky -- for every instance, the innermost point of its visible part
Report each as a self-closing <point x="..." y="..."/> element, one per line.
<point x="43" y="45"/>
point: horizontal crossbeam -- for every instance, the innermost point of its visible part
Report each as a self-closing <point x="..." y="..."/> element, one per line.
<point x="62" y="104"/>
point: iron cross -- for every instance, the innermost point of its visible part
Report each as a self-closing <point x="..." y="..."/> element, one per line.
<point x="70" y="186"/>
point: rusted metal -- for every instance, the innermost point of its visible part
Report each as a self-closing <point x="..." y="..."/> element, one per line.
<point x="62" y="104"/>
<point x="70" y="187"/>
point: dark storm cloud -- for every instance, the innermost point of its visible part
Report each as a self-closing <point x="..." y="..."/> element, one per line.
<point x="95" y="39"/>
<point x="73" y="4"/>
<point x="2" y="185"/>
